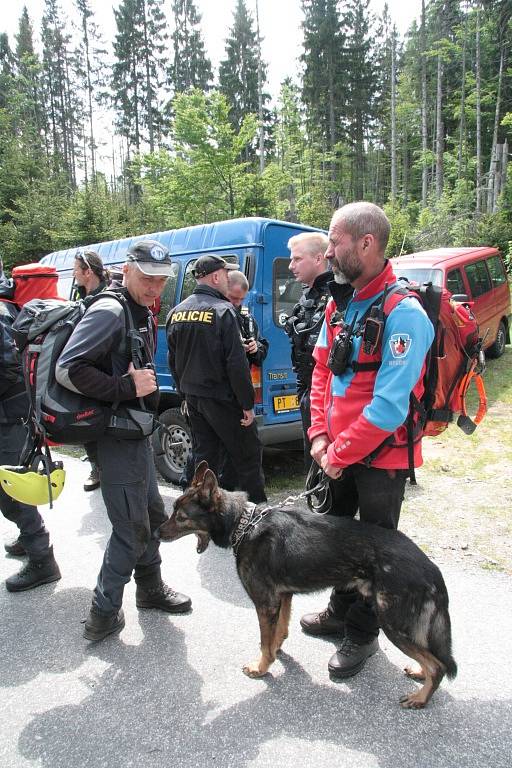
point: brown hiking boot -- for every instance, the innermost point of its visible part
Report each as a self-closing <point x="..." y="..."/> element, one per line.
<point x="323" y="623"/>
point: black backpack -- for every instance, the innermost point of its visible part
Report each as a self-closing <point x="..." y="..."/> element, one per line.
<point x="41" y="331"/>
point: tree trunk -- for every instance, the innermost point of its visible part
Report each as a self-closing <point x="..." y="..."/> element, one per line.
<point x="424" y="118"/>
<point x="92" y="146"/>
<point x="149" y="97"/>
<point x="260" y="95"/>
<point x="393" y="117"/>
<point x="478" y="117"/>
<point x="493" y="193"/>
<point x="462" y="123"/>
<point x="439" y="129"/>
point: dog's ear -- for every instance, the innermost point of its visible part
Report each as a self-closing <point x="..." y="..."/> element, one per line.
<point x="199" y="474"/>
<point x="210" y="485"/>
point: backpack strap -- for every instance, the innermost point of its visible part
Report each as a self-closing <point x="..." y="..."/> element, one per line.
<point x="132" y="335"/>
<point x="414" y="427"/>
<point x="380" y="316"/>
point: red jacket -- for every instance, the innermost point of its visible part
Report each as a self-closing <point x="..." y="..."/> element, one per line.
<point x="359" y="409"/>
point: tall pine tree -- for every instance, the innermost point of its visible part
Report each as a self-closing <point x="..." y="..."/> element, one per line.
<point x="190" y="66"/>
<point x="238" y="72"/>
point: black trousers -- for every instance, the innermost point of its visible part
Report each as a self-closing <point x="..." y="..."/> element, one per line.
<point x="33" y="535"/>
<point x="217" y="431"/>
<point x="378" y="495"/>
<point x="91" y="450"/>
<point x="135" y="509"/>
<point x="305" y="414"/>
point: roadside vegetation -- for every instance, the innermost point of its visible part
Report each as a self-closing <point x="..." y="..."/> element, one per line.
<point x="460" y="509"/>
<point x="420" y="124"/>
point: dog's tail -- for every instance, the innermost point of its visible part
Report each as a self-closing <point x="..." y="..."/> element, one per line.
<point x="440" y="641"/>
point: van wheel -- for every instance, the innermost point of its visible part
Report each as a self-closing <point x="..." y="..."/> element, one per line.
<point x="498" y="348"/>
<point x="172" y="447"/>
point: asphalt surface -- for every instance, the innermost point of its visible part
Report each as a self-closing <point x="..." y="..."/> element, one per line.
<point x="169" y="691"/>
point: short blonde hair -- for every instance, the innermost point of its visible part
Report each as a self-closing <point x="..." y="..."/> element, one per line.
<point x="313" y="242"/>
<point x="235" y="277"/>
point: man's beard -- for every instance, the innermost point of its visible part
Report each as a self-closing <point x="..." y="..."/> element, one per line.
<point x="340" y="278"/>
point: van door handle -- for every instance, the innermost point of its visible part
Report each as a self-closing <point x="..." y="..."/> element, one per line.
<point x="260" y="299"/>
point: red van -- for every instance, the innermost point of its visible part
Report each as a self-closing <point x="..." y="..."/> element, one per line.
<point x="477" y="272"/>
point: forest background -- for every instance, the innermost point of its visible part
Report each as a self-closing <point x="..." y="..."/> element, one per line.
<point x="419" y="123"/>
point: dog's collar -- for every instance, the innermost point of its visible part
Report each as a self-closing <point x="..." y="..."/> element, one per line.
<point x="249" y="518"/>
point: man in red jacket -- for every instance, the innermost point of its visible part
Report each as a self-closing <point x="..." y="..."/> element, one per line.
<point x="359" y="403"/>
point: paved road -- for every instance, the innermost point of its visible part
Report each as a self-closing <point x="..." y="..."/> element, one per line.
<point x="169" y="691"/>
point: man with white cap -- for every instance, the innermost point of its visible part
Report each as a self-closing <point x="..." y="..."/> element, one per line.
<point x="97" y="361"/>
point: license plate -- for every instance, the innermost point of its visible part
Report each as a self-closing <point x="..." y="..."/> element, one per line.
<point x="284" y="403"/>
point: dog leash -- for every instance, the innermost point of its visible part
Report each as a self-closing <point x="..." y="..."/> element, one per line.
<point x="318" y="492"/>
<point x="318" y="498"/>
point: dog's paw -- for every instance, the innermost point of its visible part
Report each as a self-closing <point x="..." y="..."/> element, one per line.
<point x="413" y="701"/>
<point x="254" y="670"/>
<point x="415" y="673"/>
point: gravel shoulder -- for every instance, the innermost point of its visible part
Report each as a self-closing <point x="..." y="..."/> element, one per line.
<point x="459" y="512"/>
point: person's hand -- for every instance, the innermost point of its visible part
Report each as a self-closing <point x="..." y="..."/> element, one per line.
<point x="330" y="470"/>
<point x="319" y="447"/>
<point x="251" y="346"/>
<point x="248" y="418"/>
<point x="144" y="380"/>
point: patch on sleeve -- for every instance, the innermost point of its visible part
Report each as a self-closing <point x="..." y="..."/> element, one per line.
<point x="400" y="344"/>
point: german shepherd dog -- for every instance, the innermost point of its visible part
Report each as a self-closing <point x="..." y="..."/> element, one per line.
<point x="281" y="551"/>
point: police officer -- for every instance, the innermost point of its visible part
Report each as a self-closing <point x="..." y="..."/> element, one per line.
<point x="255" y="346"/>
<point x="303" y="326"/>
<point x="97" y="362"/>
<point x="211" y="371"/>
<point x="90" y="279"/>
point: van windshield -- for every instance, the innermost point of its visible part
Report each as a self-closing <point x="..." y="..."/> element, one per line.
<point x="419" y="274"/>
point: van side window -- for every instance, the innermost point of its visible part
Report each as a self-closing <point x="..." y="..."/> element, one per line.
<point x="65" y="285"/>
<point x="478" y="278"/>
<point x="454" y="282"/>
<point x="286" y="291"/>
<point x="497" y="270"/>
<point x="189" y="281"/>
<point x="169" y="292"/>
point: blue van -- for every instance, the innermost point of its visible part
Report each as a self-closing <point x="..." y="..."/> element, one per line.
<point x="259" y="247"/>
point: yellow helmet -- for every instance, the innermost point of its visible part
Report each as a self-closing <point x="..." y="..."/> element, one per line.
<point x="33" y="487"/>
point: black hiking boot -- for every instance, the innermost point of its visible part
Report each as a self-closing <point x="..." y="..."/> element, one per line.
<point x="15" y="549"/>
<point x="100" y="625"/>
<point x="351" y="657"/>
<point x="162" y="597"/>
<point x="34" y="573"/>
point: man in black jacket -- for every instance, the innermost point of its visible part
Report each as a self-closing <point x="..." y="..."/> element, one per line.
<point x="303" y="326"/>
<point x="97" y="362"/>
<point x="210" y="368"/>
<point x="256" y="347"/>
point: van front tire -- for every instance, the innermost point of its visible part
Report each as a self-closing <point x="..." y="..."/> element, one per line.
<point x="173" y="446"/>
<point x="498" y="348"/>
